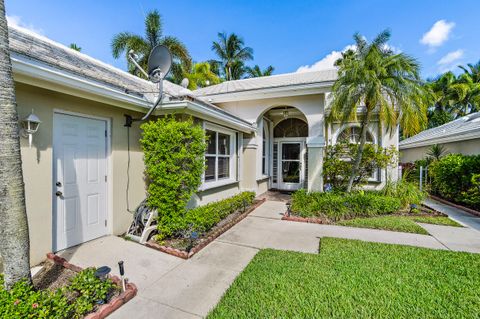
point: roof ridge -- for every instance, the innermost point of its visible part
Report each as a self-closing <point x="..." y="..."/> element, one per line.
<point x="227" y="83"/>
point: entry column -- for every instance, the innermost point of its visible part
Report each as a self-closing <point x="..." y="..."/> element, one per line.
<point x="315" y="146"/>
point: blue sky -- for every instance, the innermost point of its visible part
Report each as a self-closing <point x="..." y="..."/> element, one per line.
<point x="286" y="34"/>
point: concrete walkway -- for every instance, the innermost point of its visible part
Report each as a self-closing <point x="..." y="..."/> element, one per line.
<point x="170" y="287"/>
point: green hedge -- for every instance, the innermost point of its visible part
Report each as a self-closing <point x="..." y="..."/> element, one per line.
<point x="456" y="178"/>
<point x="201" y="219"/>
<point x="339" y="206"/>
<point x="72" y="301"/>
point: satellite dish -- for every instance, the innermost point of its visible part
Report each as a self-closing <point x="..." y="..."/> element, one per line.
<point x="159" y="63"/>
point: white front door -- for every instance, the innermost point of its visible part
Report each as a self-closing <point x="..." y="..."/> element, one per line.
<point x="79" y="180"/>
<point x="291" y="166"/>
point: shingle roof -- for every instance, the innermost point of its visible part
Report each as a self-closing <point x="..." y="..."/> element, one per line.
<point x="274" y="81"/>
<point x="37" y="47"/>
<point x="466" y="127"/>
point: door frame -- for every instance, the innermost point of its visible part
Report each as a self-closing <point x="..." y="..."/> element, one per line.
<point x="109" y="169"/>
<point x="289" y="140"/>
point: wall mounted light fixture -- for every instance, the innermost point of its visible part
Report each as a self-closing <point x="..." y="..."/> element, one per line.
<point x="30" y="126"/>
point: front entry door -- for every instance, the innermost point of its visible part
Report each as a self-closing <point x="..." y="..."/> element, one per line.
<point x="79" y="180"/>
<point x="291" y="165"/>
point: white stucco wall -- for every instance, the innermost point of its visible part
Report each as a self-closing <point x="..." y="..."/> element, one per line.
<point x="467" y="147"/>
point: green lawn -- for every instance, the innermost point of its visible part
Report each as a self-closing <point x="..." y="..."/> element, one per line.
<point x="445" y="221"/>
<point x="393" y="223"/>
<point x="355" y="279"/>
<point x="405" y="224"/>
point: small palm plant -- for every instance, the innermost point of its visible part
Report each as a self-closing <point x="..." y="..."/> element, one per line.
<point x="436" y="151"/>
<point x="374" y="79"/>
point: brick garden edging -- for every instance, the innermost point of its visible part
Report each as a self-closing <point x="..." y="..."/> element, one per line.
<point x="311" y="220"/>
<point x="444" y="201"/>
<point x="116" y="302"/>
<point x="185" y="255"/>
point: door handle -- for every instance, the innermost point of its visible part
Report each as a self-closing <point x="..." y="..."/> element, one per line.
<point x="59" y="193"/>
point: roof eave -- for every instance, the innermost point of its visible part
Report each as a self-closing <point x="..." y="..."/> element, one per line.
<point x="201" y="111"/>
<point x="470" y="135"/>
<point x="36" y="73"/>
<point x="273" y="92"/>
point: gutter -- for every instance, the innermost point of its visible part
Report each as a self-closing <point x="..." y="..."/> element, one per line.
<point x="469" y="135"/>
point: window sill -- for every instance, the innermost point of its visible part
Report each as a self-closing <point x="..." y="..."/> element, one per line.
<point x="211" y="185"/>
<point x="262" y="178"/>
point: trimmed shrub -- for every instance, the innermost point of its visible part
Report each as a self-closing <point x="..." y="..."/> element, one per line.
<point x="454" y="178"/>
<point x="72" y="301"/>
<point x="338" y="206"/>
<point x="339" y="159"/>
<point x="201" y="219"/>
<point x="174" y="164"/>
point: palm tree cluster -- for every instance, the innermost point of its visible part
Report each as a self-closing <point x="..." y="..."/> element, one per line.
<point x="374" y="79"/>
<point x="229" y="65"/>
<point x="454" y="96"/>
<point x="232" y="54"/>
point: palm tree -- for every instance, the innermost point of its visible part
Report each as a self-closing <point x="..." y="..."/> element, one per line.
<point x="473" y="70"/>
<point x="378" y="80"/>
<point x="14" y="243"/>
<point x="232" y="53"/>
<point x="256" y="72"/>
<point x="201" y="76"/>
<point x="123" y="42"/>
<point x="75" y="47"/>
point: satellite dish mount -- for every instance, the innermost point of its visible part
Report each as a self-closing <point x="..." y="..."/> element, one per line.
<point x="159" y="64"/>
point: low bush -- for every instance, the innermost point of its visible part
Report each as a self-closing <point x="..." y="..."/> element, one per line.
<point x="201" y="219"/>
<point x="338" y="206"/>
<point x="72" y="301"/>
<point x="456" y="177"/>
<point x="407" y="192"/>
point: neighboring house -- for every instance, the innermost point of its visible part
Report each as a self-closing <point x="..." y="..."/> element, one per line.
<point x="84" y="172"/>
<point x="459" y="136"/>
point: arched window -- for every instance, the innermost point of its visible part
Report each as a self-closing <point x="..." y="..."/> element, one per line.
<point x="352" y="135"/>
<point x="291" y="127"/>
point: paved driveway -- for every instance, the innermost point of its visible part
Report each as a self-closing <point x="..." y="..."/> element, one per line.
<point x="171" y="287"/>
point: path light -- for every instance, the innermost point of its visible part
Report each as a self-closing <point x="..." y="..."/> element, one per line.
<point x="288" y="204"/>
<point x="413" y="207"/>
<point x="102" y="272"/>
<point x="30" y="126"/>
<point x="193" y="238"/>
<point x="122" y="274"/>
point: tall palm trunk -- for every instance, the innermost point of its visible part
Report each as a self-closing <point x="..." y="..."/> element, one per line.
<point x="14" y="241"/>
<point x="361" y="147"/>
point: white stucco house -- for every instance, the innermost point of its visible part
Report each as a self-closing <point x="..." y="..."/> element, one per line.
<point x="459" y="136"/>
<point x="84" y="170"/>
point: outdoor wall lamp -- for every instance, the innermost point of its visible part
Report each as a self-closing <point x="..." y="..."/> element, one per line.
<point x="30" y="126"/>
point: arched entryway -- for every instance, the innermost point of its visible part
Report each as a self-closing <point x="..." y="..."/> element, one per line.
<point x="284" y="152"/>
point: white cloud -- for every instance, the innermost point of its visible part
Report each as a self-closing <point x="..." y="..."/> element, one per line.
<point x="450" y="60"/>
<point x="16" y="21"/>
<point x="326" y="63"/>
<point x="438" y="33"/>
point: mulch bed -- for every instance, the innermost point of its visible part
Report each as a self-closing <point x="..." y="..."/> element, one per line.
<point x="57" y="272"/>
<point x="177" y="247"/>
<point x="424" y="211"/>
<point x="466" y="209"/>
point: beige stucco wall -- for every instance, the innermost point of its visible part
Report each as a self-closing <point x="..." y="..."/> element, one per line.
<point x="37" y="163"/>
<point x="467" y="147"/>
